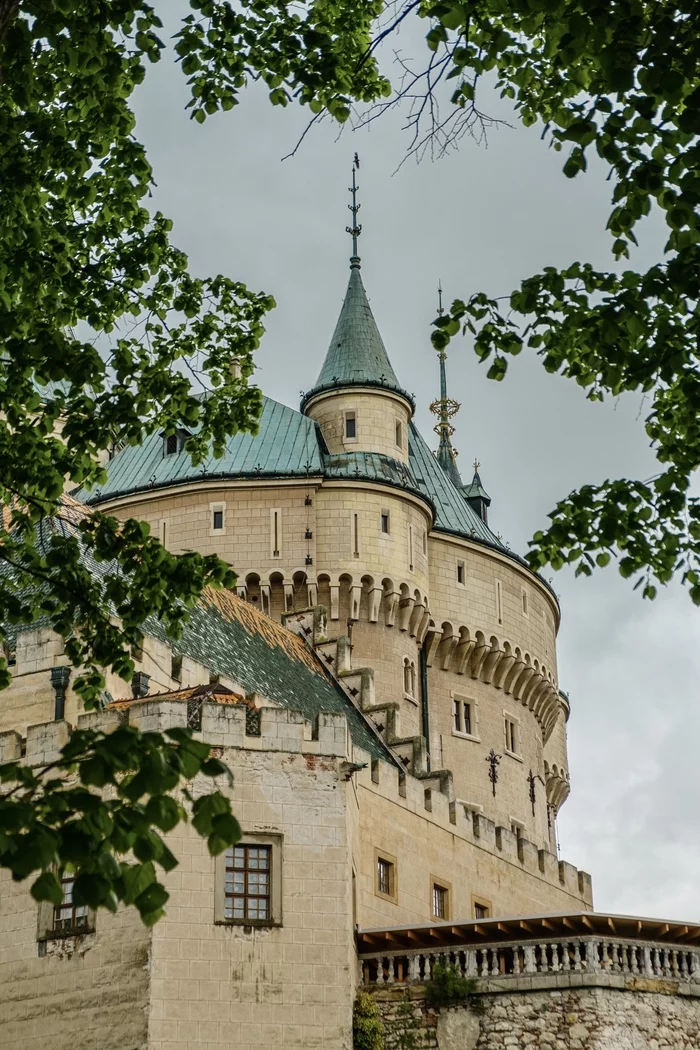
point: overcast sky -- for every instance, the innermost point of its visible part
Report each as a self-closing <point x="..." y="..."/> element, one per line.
<point x="483" y="218"/>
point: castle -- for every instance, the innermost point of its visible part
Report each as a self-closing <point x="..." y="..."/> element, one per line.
<point x="384" y="688"/>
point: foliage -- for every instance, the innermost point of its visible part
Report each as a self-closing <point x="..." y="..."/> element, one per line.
<point x="110" y="796"/>
<point x="367" y="1029"/>
<point x="447" y="986"/>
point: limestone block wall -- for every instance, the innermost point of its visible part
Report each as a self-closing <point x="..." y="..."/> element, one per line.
<point x="510" y="803"/>
<point x="521" y="611"/>
<point x="429" y="837"/>
<point x="376" y="414"/>
<point x="590" y="1018"/>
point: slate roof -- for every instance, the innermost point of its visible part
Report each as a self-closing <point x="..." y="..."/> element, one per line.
<point x="356" y="355"/>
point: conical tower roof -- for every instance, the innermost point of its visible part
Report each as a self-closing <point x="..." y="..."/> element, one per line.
<point x="356" y="355"/>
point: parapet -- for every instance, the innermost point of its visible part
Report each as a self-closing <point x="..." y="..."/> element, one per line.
<point x="458" y="819"/>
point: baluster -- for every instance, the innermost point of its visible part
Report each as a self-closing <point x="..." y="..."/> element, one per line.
<point x="472" y="969"/>
<point x="390" y="970"/>
<point x="380" y="970"/>
<point x="674" y="963"/>
<point x="543" y="963"/>
<point x="577" y="957"/>
<point x="615" y="958"/>
<point x="565" y="958"/>
<point x="484" y="967"/>
<point x="412" y="969"/>
<point x="693" y="970"/>
<point x="530" y="960"/>
<point x="647" y="967"/>
<point x="683" y="964"/>
<point x="493" y="968"/>
<point x="637" y="960"/>
<point x="592" y="960"/>
<point x="554" y="948"/>
<point x="656" y="962"/>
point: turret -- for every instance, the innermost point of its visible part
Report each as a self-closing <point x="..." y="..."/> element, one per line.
<point x="476" y="495"/>
<point x="357" y="399"/>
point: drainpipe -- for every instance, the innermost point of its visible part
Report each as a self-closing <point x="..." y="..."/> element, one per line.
<point x="422" y="659"/>
<point x="59" y="684"/>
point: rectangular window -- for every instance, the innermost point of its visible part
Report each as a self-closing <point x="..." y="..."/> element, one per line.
<point x="410" y="548"/>
<point x="463" y="717"/>
<point x="356" y="535"/>
<point x="350" y="425"/>
<point x="440" y="901"/>
<point x="385" y="521"/>
<point x="525" y="612"/>
<point x="457" y="715"/>
<point x="275" y="532"/>
<point x="176" y="667"/>
<point x="512" y="736"/>
<point x="482" y="910"/>
<point x="385" y="876"/>
<point x="217" y="518"/>
<point x="399" y="434"/>
<point x="425" y="543"/>
<point x="499" y="602"/>
<point x="467" y="717"/>
<point x="460" y="573"/>
<point x="69" y="916"/>
<point x="247" y="888"/>
<point x="164" y="533"/>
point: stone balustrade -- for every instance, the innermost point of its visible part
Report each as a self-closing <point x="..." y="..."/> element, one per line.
<point x="504" y="962"/>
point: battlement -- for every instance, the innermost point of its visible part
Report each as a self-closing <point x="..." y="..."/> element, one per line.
<point x="429" y="798"/>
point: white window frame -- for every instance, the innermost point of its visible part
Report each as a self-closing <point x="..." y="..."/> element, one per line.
<point x="276" y="552"/>
<point x="515" y="721"/>
<point x="349" y="413"/>
<point x="252" y="838"/>
<point x="215" y="508"/>
<point x="474" y="715"/>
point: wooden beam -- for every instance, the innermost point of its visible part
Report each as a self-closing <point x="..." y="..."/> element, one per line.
<point x="587" y="922"/>
<point x="568" y="923"/>
<point x="480" y="930"/>
<point x="611" y="924"/>
<point x="526" y="926"/>
<point x="548" y="925"/>
<point x="502" y="928"/>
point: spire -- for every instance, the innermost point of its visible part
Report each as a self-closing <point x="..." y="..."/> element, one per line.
<point x="356" y="355"/>
<point x="476" y="495"/>
<point x="445" y="408"/>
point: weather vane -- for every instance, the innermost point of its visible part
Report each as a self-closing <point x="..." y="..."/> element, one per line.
<point x="356" y="229"/>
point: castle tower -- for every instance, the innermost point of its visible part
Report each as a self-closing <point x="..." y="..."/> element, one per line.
<point x="357" y="400"/>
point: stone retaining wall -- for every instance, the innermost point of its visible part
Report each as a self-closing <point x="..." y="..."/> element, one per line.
<point x="649" y="1017"/>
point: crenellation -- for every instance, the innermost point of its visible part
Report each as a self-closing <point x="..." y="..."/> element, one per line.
<point x="10" y="746"/>
<point x="44" y="742"/>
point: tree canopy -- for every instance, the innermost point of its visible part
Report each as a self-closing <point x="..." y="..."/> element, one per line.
<point x="106" y="335"/>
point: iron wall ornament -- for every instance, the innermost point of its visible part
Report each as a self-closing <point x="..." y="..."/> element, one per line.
<point x="531" y="778"/>
<point x="493" y="760"/>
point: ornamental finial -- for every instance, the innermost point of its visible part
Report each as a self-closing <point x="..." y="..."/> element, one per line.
<point x="476" y="465"/>
<point x="356" y="229"/>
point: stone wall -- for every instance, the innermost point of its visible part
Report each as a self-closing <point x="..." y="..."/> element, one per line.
<point x="651" y="1016"/>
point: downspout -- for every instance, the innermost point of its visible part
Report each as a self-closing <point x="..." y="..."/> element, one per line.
<point x="59" y="684"/>
<point x="423" y="662"/>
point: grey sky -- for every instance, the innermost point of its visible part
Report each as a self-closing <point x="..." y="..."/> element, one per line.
<point x="481" y="219"/>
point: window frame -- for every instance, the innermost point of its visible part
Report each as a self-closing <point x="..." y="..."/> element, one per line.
<point x="46" y="918"/>
<point x="481" y="902"/>
<point x="474" y="716"/>
<point x="274" y="841"/>
<point x="349" y="415"/>
<point x="214" y="509"/>
<point x="461" y="571"/>
<point x="409" y="665"/>
<point x="514" y="721"/>
<point x="387" y="858"/>
<point x="276" y="552"/>
<point x="446" y="887"/>
<point x="385" y="514"/>
<point x="398" y="434"/>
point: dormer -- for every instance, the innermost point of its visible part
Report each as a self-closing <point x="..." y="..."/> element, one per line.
<point x="174" y="443"/>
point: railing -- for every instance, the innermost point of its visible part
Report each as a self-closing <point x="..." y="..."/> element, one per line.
<point x="592" y="955"/>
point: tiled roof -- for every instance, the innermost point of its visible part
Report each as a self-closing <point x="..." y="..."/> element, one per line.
<point x="356" y="355"/>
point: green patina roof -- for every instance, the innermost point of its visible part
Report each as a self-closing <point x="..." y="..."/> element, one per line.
<point x="475" y="489"/>
<point x="286" y="445"/>
<point x="356" y="355"/>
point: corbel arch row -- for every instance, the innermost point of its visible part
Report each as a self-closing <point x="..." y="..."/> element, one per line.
<point x="496" y="662"/>
<point x="557" y="785"/>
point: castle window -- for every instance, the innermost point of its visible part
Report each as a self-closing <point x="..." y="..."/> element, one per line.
<point x="350" y="426"/>
<point x="440" y="902"/>
<point x="164" y="532"/>
<point x="69" y="916"/>
<point x="512" y="736"/>
<point x="386" y="880"/>
<point x="385" y="521"/>
<point x="171" y="445"/>
<point x="409" y="678"/>
<point x="464" y="717"/>
<point x="174" y="443"/>
<point x="410" y="548"/>
<point x="218" y="518"/>
<point x="399" y="434"/>
<point x="525" y="611"/>
<point x="176" y="666"/>
<point x="425" y="543"/>
<point x="460" y="573"/>
<point x="275" y="532"/>
<point x="355" y="526"/>
<point x="481" y="908"/>
<point x="499" y="601"/>
<point x="248" y="882"/>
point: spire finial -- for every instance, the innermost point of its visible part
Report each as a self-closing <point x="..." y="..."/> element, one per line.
<point x="439" y="297"/>
<point x="476" y="465"/>
<point x="445" y="408"/>
<point x="356" y="229"/>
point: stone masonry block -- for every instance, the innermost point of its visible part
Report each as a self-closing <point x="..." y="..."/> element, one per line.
<point x="549" y="865"/>
<point x="332" y="734"/>
<point x="10" y="747"/>
<point x="158" y="715"/>
<point x="44" y="742"/>
<point x="529" y="855"/>
<point x="223" y="725"/>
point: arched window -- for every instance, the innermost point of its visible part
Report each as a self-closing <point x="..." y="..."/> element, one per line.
<point x="409" y="677"/>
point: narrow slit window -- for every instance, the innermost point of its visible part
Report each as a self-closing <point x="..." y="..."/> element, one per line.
<point x="460" y="573"/>
<point x="511" y="731"/>
<point x="164" y="533"/>
<point x="457" y="715"/>
<point x="399" y="434"/>
<point x="499" y="601"/>
<point x="356" y="535"/>
<point x="350" y="425"/>
<point x="176" y="666"/>
<point x="217" y="520"/>
<point x="409" y="677"/>
<point x="524" y="603"/>
<point x="467" y="718"/>
<point x="425" y="543"/>
<point x="385" y="877"/>
<point x="410" y="548"/>
<point x="385" y="522"/>
<point x="275" y="533"/>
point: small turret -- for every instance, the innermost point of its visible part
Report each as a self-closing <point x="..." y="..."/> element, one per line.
<point x="476" y="495"/>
